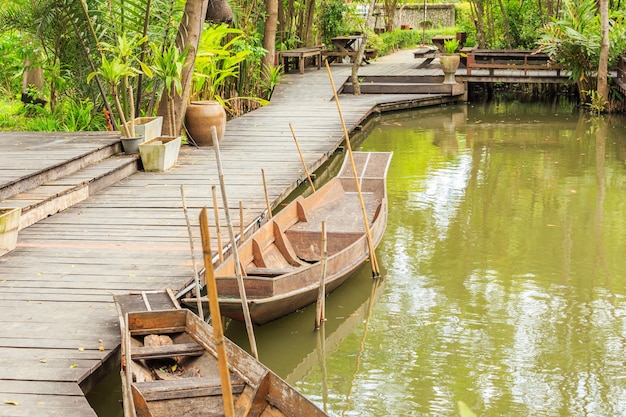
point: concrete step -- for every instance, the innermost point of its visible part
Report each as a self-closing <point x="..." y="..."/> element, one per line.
<point x="63" y="192"/>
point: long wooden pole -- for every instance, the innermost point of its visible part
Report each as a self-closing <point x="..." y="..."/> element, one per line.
<point x="216" y="318"/>
<point x="193" y="256"/>
<point x="218" y="229"/>
<point x="233" y="246"/>
<point x="306" y="170"/>
<point x="370" y="243"/>
<point x="320" y="310"/>
<point x="267" y="196"/>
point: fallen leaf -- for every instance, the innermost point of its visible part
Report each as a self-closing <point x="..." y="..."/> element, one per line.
<point x="80" y="349"/>
<point x="101" y="348"/>
<point x="11" y="402"/>
<point x="42" y="360"/>
<point x="74" y="365"/>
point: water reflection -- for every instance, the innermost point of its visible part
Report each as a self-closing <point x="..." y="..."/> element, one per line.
<point x="505" y="270"/>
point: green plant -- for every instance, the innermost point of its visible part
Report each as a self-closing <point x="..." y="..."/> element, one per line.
<point x="451" y="45"/>
<point x="167" y="66"/>
<point x="269" y="83"/>
<point x="119" y="70"/>
<point x="332" y="21"/>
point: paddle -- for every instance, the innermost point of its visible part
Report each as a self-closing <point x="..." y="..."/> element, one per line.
<point x="306" y="170"/>
<point x="370" y="243"/>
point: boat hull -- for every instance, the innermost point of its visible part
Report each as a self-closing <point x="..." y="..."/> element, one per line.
<point x="282" y="261"/>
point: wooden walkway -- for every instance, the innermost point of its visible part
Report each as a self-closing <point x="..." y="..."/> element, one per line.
<point x="58" y="325"/>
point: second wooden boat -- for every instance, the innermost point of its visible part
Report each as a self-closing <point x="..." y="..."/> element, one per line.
<point x="281" y="262"/>
<point x="170" y="367"/>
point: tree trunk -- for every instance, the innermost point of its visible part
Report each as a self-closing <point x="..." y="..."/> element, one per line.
<point x="603" y="87"/>
<point x="188" y="36"/>
<point x="269" y="39"/>
<point x="505" y="20"/>
<point x="479" y="12"/>
<point x="308" y="23"/>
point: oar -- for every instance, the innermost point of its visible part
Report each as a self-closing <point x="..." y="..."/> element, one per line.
<point x="193" y="255"/>
<point x="216" y="318"/>
<point x="306" y="170"/>
<point x="370" y="243"/>
<point x="233" y="246"/>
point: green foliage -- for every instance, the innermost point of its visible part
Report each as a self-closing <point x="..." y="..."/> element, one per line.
<point x="331" y="20"/>
<point x="451" y="45"/>
<point x="574" y="40"/>
<point x="217" y="61"/>
<point x="399" y="39"/>
<point x="11" y="63"/>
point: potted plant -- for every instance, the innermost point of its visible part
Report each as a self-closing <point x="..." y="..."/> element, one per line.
<point x="216" y="63"/>
<point x="450" y="60"/>
<point x="161" y="152"/>
<point x="117" y="72"/>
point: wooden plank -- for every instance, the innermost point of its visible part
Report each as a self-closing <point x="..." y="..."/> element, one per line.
<point x="168" y="351"/>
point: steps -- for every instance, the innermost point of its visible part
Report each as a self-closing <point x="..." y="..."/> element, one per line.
<point x="48" y="191"/>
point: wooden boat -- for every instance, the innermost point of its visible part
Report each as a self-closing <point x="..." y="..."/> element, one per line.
<point x="170" y="368"/>
<point x="281" y="262"/>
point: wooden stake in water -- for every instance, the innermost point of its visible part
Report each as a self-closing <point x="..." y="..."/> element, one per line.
<point x="218" y="229"/>
<point x="216" y="318"/>
<point x="267" y="196"/>
<point x="193" y="255"/>
<point x="233" y="244"/>
<point x="306" y="170"/>
<point x="320" y="311"/>
<point x="370" y="242"/>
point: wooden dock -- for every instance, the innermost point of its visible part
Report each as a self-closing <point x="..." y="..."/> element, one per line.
<point x="96" y="238"/>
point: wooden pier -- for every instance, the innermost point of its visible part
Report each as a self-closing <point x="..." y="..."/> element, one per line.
<point x="96" y="227"/>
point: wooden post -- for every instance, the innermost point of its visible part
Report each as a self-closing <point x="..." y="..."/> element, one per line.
<point x="320" y="310"/>
<point x="216" y="318"/>
<point x="233" y="244"/>
<point x="193" y="256"/>
<point x="306" y="170"/>
<point x="370" y="243"/>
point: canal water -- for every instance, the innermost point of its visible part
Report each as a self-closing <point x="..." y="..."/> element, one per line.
<point x="504" y="272"/>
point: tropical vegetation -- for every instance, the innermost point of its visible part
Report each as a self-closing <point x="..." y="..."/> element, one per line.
<point x="58" y="55"/>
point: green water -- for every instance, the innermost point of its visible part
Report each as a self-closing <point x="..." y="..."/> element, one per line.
<point x="504" y="270"/>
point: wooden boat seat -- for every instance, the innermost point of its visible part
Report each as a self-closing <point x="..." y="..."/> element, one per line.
<point x="171" y="389"/>
<point x="167" y="351"/>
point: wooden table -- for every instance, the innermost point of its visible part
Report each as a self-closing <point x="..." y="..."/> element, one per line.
<point x="301" y="54"/>
<point x="343" y="46"/>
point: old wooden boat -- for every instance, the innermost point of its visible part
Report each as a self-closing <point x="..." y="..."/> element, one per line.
<point x="170" y="367"/>
<point x="281" y="262"/>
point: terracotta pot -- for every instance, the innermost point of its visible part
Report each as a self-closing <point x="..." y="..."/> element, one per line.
<point x="199" y="118"/>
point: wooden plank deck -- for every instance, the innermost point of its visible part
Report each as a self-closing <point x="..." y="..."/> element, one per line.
<point x="58" y="324"/>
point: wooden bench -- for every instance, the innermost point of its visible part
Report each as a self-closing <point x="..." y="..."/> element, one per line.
<point x="300" y="54"/>
<point x="510" y="59"/>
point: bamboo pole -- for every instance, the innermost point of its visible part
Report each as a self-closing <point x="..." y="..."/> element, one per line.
<point x="370" y="243"/>
<point x="306" y="170"/>
<point x="220" y="246"/>
<point x="241" y="227"/>
<point x="320" y="310"/>
<point x="267" y="196"/>
<point x="193" y="256"/>
<point x="233" y="244"/>
<point x="216" y="318"/>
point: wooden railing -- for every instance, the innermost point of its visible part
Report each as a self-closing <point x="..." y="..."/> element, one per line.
<point x="510" y="59"/>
